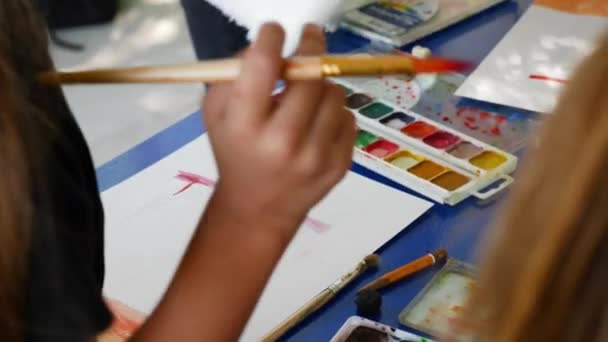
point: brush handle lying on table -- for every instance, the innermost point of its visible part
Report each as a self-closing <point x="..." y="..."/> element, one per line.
<point x="315" y="304"/>
<point x="296" y="68"/>
<point x="406" y="270"/>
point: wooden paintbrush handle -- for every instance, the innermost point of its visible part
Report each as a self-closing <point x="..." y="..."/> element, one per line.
<point x="316" y="303"/>
<point x="313" y="305"/>
<point x="406" y="270"/>
<point x="297" y="68"/>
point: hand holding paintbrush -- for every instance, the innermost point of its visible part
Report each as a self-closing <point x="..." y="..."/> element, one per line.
<point x="296" y="69"/>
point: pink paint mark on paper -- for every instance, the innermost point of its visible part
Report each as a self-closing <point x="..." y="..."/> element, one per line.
<point x="193" y="179"/>
<point x="317" y="226"/>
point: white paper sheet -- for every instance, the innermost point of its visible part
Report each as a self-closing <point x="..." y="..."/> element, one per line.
<point x="544" y="42"/>
<point x="148" y="228"/>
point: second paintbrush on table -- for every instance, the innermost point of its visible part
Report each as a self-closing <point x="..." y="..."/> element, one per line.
<point x="406" y="270"/>
<point x="296" y="68"/>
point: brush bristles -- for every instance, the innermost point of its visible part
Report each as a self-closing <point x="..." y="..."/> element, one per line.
<point x="440" y="255"/>
<point x="372" y="260"/>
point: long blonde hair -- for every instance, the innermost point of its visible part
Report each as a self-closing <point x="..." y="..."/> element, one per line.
<point x="544" y="276"/>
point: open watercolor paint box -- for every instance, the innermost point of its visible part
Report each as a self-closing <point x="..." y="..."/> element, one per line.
<point x="358" y="329"/>
<point x="428" y="157"/>
<point x="438" y="306"/>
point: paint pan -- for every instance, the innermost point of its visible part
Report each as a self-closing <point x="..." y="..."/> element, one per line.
<point x="398" y="121"/>
<point x="376" y="110"/>
<point x="359" y="329"/>
<point x="465" y="150"/>
<point x="488" y="160"/>
<point x="442" y="140"/>
<point x="427" y="169"/>
<point x="451" y="180"/>
<point x="364" y="138"/>
<point x="440" y="304"/>
<point x="404" y="159"/>
<point x="358" y="100"/>
<point x="381" y="148"/>
<point x="419" y="129"/>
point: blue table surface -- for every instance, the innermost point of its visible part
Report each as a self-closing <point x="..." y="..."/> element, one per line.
<point x="459" y="228"/>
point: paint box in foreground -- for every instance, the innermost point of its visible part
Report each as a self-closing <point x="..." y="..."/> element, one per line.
<point x="358" y="329"/>
<point x="437" y="307"/>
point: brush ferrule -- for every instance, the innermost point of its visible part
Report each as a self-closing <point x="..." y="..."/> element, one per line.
<point x="348" y="278"/>
<point x="365" y="65"/>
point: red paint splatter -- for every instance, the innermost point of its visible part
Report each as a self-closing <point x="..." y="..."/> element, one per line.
<point x="194" y="179"/>
<point x="547" y="78"/>
<point x="475" y="119"/>
<point x="471" y="126"/>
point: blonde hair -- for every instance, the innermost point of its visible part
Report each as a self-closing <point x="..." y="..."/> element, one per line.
<point x="544" y="276"/>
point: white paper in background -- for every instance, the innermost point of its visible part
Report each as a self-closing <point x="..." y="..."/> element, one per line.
<point x="544" y="42"/>
<point x="148" y="228"/>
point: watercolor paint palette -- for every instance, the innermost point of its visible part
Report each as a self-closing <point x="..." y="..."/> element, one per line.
<point x="428" y="157"/>
<point x="436" y="309"/>
<point x="358" y="329"/>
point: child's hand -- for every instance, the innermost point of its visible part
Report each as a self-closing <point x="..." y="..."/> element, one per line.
<point x="277" y="159"/>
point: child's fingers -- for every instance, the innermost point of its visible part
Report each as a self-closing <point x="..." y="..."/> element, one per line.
<point x="216" y="101"/>
<point x="300" y="102"/>
<point x="262" y="67"/>
<point x="343" y="145"/>
<point x="329" y="122"/>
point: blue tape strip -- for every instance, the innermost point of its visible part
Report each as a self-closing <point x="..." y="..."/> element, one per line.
<point x="150" y="151"/>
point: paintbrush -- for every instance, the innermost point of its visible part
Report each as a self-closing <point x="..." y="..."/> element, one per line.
<point x="406" y="270"/>
<point x="296" y="69"/>
<point x="370" y="261"/>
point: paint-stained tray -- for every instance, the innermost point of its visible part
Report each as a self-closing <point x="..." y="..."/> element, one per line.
<point x="440" y="303"/>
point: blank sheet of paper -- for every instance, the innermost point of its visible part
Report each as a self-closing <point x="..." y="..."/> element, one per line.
<point x="151" y="217"/>
<point x="527" y="69"/>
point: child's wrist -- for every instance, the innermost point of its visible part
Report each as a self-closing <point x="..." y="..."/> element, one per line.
<point x="223" y="209"/>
